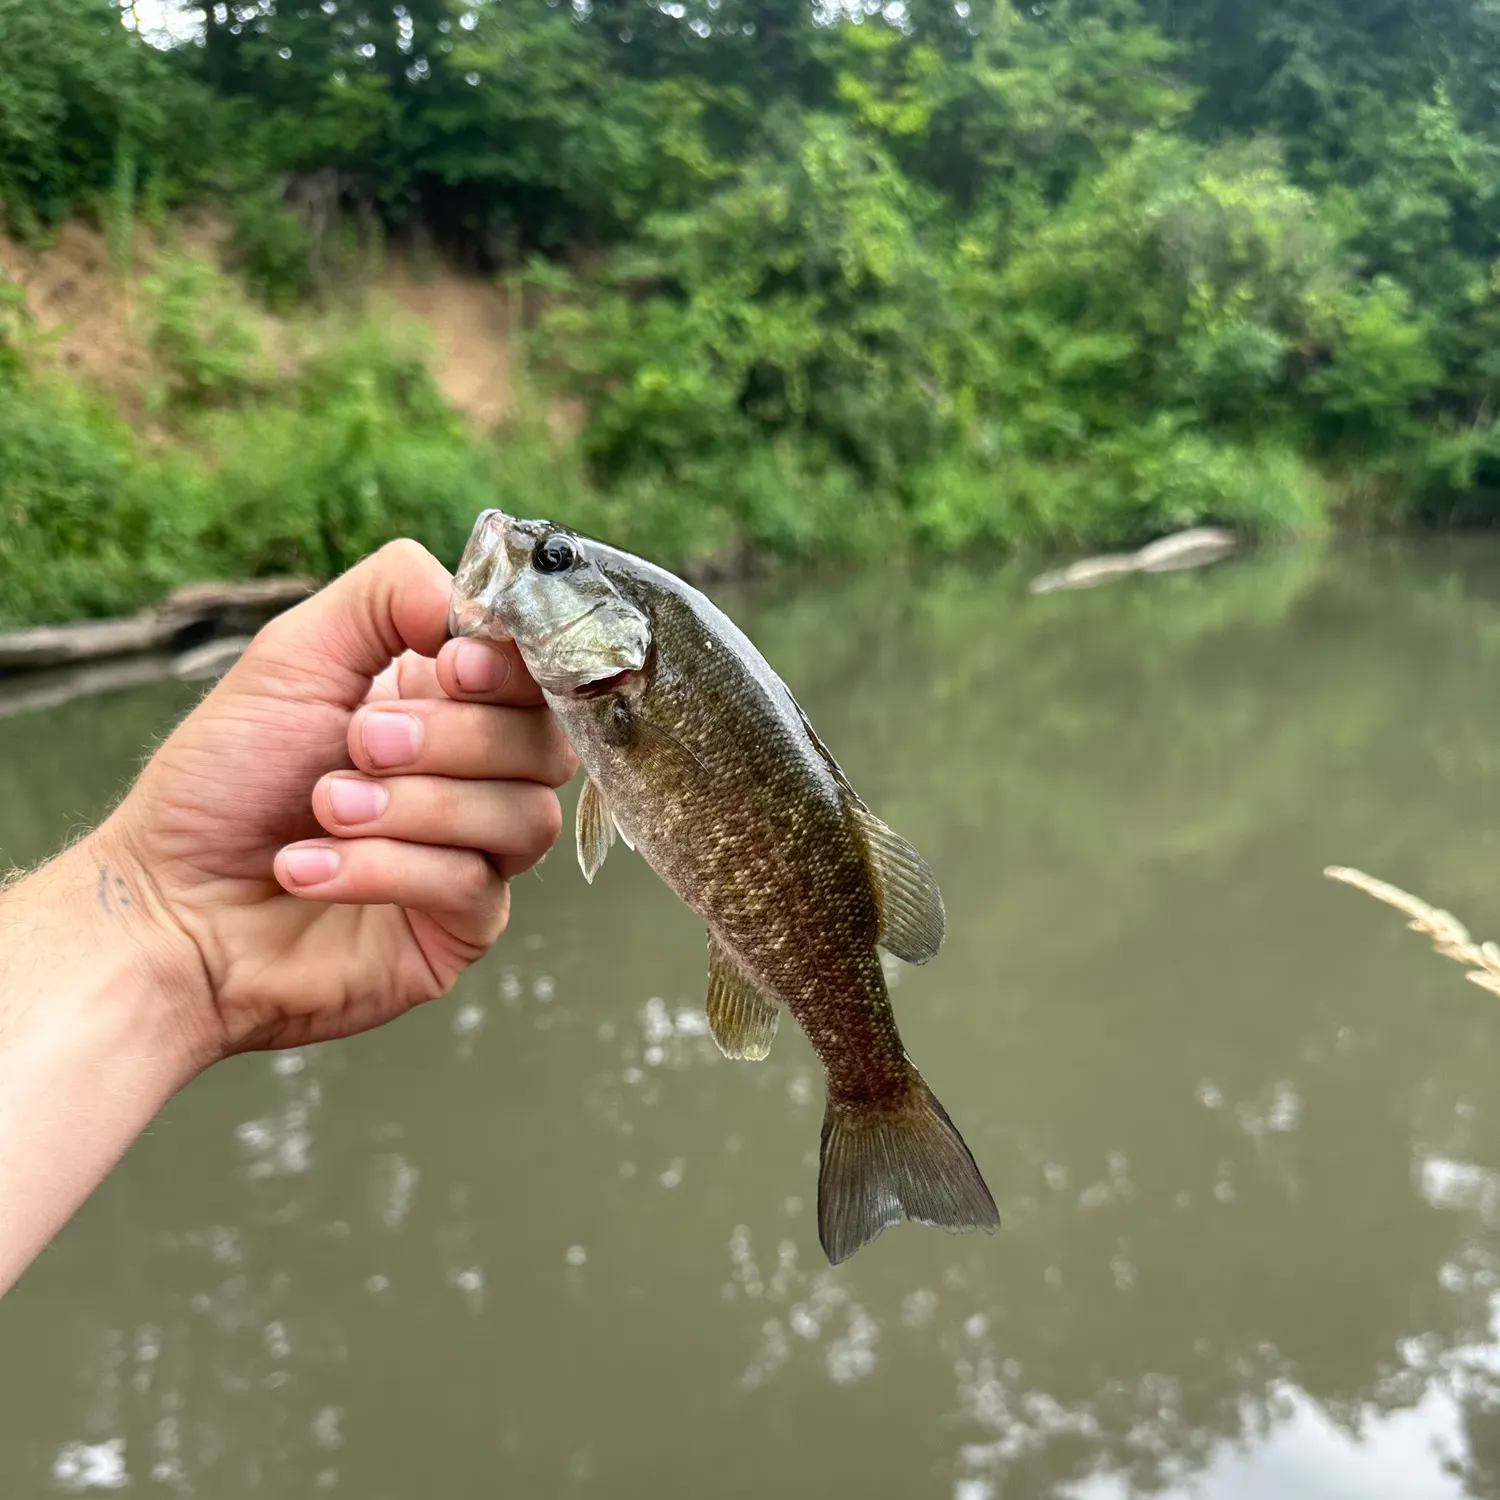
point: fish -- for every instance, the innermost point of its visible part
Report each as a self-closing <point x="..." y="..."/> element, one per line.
<point x="698" y="758"/>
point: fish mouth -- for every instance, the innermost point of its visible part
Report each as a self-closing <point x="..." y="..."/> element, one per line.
<point x="471" y="617"/>
<point x="482" y="576"/>
<point x="601" y="687"/>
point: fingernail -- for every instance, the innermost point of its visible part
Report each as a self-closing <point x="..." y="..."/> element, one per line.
<point x="355" y="801"/>
<point x="309" y="866"/>
<point x="392" y="739"/>
<point x="478" y="668"/>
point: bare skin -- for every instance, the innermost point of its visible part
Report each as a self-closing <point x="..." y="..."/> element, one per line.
<point x="326" y="841"/>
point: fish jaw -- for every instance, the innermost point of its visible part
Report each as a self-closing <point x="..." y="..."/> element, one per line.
<point x="484" y="573"/>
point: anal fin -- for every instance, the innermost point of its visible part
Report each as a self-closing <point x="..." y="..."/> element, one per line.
<point x="742" y="1019"/>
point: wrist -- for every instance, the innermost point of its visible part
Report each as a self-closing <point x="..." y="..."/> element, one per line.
<point x="94" y="926"/>
<point x="95" y="1036"/>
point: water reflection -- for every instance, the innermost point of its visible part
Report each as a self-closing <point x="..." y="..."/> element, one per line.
<point x="544" y="1239"/>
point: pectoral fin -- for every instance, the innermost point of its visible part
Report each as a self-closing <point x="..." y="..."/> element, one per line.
<point x="596" y="831"/>
<point x="742" y="1020"/>
<point x="911" y="906"/>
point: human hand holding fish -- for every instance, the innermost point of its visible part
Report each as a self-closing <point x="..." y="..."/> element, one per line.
<point x="324" y="842"/>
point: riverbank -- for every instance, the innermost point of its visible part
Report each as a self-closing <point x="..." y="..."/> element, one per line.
<point x="993" y="283"/>
<point x="159" y="425"/>
<point x="197" y="632"/>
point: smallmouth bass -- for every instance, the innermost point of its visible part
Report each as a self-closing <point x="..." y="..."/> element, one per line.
<point x="699" y="758"/>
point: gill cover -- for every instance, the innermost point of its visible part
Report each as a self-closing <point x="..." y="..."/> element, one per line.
<point x="569" y="621"/>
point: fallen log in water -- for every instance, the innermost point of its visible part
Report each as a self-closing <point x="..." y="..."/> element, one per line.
<point x="84" y="640"/>
<point x="188" y="616"/>
<point x="28" y="692"/>
<point x="1185" y="549"/>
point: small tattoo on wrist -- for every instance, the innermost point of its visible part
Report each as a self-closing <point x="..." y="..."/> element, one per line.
<point x="113" y="893"/>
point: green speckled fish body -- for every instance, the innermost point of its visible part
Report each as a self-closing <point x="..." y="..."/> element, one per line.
<point x="699" y="758"/>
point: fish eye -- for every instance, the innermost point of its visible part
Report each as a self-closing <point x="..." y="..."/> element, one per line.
<point x="553" y="554"/>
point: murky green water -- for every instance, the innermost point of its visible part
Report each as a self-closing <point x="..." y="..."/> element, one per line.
<point x="540" y="1240"/>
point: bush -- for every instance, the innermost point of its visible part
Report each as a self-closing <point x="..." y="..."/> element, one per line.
<point x="1124" y="491"/>
<point x="202" y="335"/>
<point x="71" y="90"/>
<point x="13" y="323"/>
<point x="306" y="476"/>
<point x="272" y="249"/>
<point x="82" y="529"/>
<point x="819" y="357"/>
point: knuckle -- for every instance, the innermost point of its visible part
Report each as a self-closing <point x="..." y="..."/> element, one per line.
<point x="469" y="887"/>
<point x="547" y="818"/>
<point x="404" y="553"/>
<point x="562" y="759"/>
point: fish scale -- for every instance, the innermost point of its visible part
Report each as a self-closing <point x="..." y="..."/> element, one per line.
<point x="779" y="877"/>
<point x="700" y="758"/>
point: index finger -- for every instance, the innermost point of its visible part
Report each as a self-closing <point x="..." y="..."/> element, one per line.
<point x="478" y="671"/>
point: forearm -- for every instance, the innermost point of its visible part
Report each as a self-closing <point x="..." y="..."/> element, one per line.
<point x="92" y="1038"/>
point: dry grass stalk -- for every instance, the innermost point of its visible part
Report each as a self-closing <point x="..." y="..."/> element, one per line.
<point x="1449" y="936"/>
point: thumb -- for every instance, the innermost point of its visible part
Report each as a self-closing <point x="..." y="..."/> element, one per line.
<point x="332" y="645"/>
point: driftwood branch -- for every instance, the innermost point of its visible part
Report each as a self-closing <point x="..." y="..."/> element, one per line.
<point x="1169" y="554"/>
<point x="28" y="692"/>
<point x="188" y="616"/>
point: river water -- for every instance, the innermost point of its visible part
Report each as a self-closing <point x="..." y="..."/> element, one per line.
<point x="541" y="1240"/>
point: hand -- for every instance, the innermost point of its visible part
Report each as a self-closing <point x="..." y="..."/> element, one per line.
<point x="267" y="934"/>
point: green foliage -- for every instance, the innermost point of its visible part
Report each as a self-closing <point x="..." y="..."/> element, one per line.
<point x="80" y="532"/>
<point x="306" y="476"/>
<point x="361" y="448"/>
<point x="1037" y="96"/>
<point x="1115" y="374"/>
<point x="1122" y="489"/>
<point x="200" y="333"/>
<point x="824" y="283"/>
<point x="790" y="303"/>
<point x="13" y="324"/>
<point x="1203" y="284"/>
<point x="272" y="248"/>
<point x="119" y="217"/>
<point x="75" y="92"/>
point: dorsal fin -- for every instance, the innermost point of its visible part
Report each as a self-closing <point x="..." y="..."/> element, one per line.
<point x="912" y="919"/>
<point x="834" y="768"/>
<point x="911" y="906"/>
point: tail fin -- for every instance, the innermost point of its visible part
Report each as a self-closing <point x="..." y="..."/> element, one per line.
<point x="907" y="1161"/>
